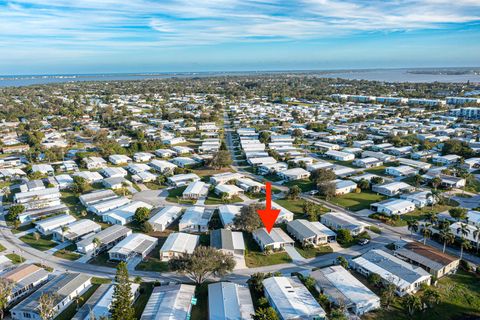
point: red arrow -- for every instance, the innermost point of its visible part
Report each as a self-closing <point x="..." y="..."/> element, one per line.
<point x="268" y="215"/>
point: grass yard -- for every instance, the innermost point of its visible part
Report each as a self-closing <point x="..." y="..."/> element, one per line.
<point x="459" y="299"/>
<point x="68" y="253"/>
<point x="15" y="258"/>
<point x="357" y="201"/>
<point x="296" y="206"/>
<point x="145" y="289"/>
<point x="308" y="253"/>
<point x="379" y="171"/>
<point x="200" y="310"/>
<point x="213" y="198"/>
<point x="23" y="228"/>
<point x="153" y="186"/>
<point x="419" y="214"/>
<point x="72" y="202"/>
<point x="102" y="260"/>
<point x="42" y="244"/>
<point x="175" y="195"/>
<point x="255" y="258"/>
<point x="2" y="248"/>
<point x="305" y="185"/>
<point x="152" y="262"/>
<point x="70" y="311"/>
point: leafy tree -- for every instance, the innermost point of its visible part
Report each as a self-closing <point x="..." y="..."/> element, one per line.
<point x="327" y="189"/>
<point x="6" y="287"/>
<point x="376" y="180"/>
<point x="412" y="303"/>
<point x="14" y="211"/>
<point x="388" y="295"/>
<point x="337" y="314"/>
<point x="458" y="213"/>
<point x="265" y="314"/>
<point x="311" y="210"/>
<point x="248" y="219"/>
<point x="342" y="261"/>
<point x="417" y="180"/>
<point x="457" y="147"/>
<point x="374" y="279"/>
<point x="364" y="184"/>
<point x="46" y="306"/>
<point x="142" y="214"/>
<point x="202" y="263"/>
<point x="221" y="159"/>
<point x="344" y="236"/>
<point x="121" y="307"/>
<point x="256" y="281"/>
<point x="431" y="297"/>
<point x="322" y="175"/>
<point x="264" y="136"/>
<point x="294" y="192"/>
<point x="80" y="185"/>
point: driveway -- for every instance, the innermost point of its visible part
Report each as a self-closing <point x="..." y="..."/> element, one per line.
<point x="293" y="253"/>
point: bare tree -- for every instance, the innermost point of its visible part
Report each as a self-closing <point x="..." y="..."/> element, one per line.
<point x="6" y="287"/>
<point x="46" y="306"/>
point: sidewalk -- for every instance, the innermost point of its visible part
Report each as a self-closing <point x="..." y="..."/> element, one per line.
<point x="58" y="247"/>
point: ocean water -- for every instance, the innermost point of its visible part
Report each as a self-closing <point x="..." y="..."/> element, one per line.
<point x="387" y="75"/>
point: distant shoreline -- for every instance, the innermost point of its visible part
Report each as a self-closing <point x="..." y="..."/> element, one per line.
<point x="417" y="75"/>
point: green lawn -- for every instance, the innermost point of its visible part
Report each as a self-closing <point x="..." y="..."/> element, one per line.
<point x="419" y="214"/>
<point x="15" y="258"/>
<point x="213" y="198"/>
<point x="152" y="262"/>
<point x="68" y="253"/>
<point x="175" y="195"/>
<point x="308" y="253"/>
<point x="379" y="171"/>
<point x="102" y="260"/>
<point x="23" y="228"/>
<point x="42" y="244"/>
<point x="145" y="292"/>
<point x="2" y="248"/>
<point x="357" y="201"/>
<point x="70" y="311"/>
<point x="255" y="258"/>
<point x="459" y="299"/>
<point x="305" y="185"/>
<point x="153" y="186"/>
<point x="296" y="206"/>
<point x="200" y="310"/>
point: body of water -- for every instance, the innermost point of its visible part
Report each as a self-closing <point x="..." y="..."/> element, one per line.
<point x="387" y="75"/>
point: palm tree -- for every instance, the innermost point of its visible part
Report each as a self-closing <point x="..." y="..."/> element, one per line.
<point x="464" y="243"/>
<point x="64" y="230"/>
<point x="436" y="182"/>
<point x="476" y="236"/>
<point x="426" y="232"/>
<point x="78" y="300"/>
<point x="412" y="226"/>
<point x="435" y="195"/>
<point x="432" y="218"/>
<point x="447" y="237"/>
<point x="96" y="244"/>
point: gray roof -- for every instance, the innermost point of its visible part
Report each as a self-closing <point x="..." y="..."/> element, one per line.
<point x="84" y="311"/>
<point x="107" y="235"/>
<point x="226" y="239"/>
<point x="61" y="286"/>
<point x="172" y="302"/>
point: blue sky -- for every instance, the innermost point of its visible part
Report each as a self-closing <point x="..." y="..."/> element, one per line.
<point x="94" y="36"/>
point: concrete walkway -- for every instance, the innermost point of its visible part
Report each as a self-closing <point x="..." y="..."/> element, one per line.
<point x="58" y="247"/>
<point x="293" y="253"/>
<point x="24" y="233"/>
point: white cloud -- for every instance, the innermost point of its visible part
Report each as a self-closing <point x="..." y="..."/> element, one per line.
<point x="115" y="24"/>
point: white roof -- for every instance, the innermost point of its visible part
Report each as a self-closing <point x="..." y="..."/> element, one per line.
<point x="132" y="243"/>
<point x="349" y="286"/>
<point x="391" y="268"/>
<point x="195" y="216"/>
<point x="228" y="213"/>
<point x="79" y="228"/>
<point x="195" y="187"/>
<point x="170" y="302"/>
<point x="55" y="222"/>
<point x="166" y="214"/>
<point x="228" y="300"/>
<point x="276" y="235"/>
<point x="128" y="210"/>
<point x="291" y="298"/>
<point x="180" y="242"/>
<point x="397" y="204"/>
<point x="228" y="188"/>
